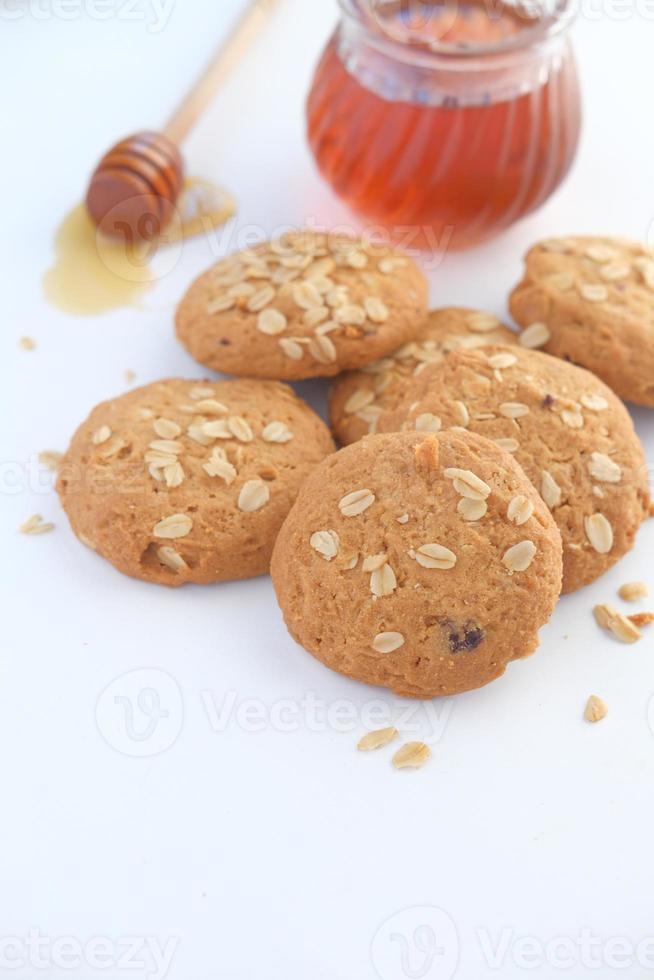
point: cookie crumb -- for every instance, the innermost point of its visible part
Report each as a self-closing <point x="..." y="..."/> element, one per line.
<point x="27" y="343"/>
<point x="642" y="619"/>
<point x="129" y="376"/>
<point x="631" y="591"/>
<point x="377" y="739"/>
<point x="596" y="709"/>
<point x="413" y="755"/>
<point x="50" y="458"/>
<point x="614" y="622"/>
<point x="35" y="525"/>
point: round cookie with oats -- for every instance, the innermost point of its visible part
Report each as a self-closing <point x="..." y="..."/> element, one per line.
<point x="306" y="305"/>
<point x="381" y="574"/>
<point x="182" y="481"/>
<point x="591" y="301"/>
<point x="572" y="436"/>
<point x="358" y="398"/>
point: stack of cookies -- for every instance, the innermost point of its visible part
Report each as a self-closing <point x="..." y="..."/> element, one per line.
<point x="480" y="478"/>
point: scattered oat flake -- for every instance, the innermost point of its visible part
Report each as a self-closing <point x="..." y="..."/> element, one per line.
<point x="594" y="403"/>
<point x="391" y="264"/>
<point x="355" y="503"/>
<point x="209" y="406"/>
<point x="520" y="556"/>
<point x="403" y="519"/>
<point x="101" y="435"/>
<point x="435" y="555"/>
<point x="129" y="376"/>
<point x="472" y="510"/>
<point x="413" y="755"/>
<point x="461" y="413"/>
<point x="383" y="581"/>
<point x="572" y="418"/>
<point x="373" y="562"/>
<point x="534" y="336"/>
<point x="600" y="533"/>
<point x="175" y="526"/>
<point x="174" y="475"/>
<point x="261" y="299"/>
<point x="520" y="510"/>
<point x="27" y="343"/>
<point x="35" y="525"/>
<point x="204" y="432"/>
<point x="467" y="483"/>
<point x="271" y="322"/>
<point x="593" y="292"/>
<point x="254" y="495"/>
<point x="614" y="622"/>
<point x="360" y="399"/>
<point x="240" y="429"/>
<point x="326" y="543"/>
<point x="292" y="348"/>
<point x="377" y="739"/>
<point x="220" y="304"/>
<point x="376" y="309"/>
<point x="501" y="361"/>
<point x="482" y="322"/>
<point x="277" y="432"/>
<point x="322" y="349"/>
<point x="550" y="491"/>
<point x="198" y="392"/>
<point x="615" y="272"/>
<point x="600" y="253"/>
<point x="166" y="429"/>
<point x="171" y="559"/>
<point x="428" y="422"/>
<point x="306" y="295"/>
<point x="604" y="469"/>
<point x="632" y="591"/>
<point x="387" y="642"/>
<point x="220" y="467"/>
<point x="514" y="410"/>
<point x="166" y="447"/>
<point x="595" y="709"/>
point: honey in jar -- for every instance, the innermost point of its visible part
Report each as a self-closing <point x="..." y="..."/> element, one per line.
<point x="445" y="122"/>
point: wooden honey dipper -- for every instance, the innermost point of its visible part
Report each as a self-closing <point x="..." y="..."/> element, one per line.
<point x="138" y="182"/>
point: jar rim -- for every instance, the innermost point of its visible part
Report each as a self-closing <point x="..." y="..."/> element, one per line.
<point x="551" y="24"/>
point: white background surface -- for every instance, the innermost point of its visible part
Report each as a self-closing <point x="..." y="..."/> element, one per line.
<point x="279" y="853"/>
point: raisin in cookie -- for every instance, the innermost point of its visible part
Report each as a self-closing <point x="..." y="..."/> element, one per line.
<point x="381" y="574"/>
<point x="304" y="306"/>
<point x="183" y="481"/>
<point x="573" y="437"/>
<point x="358" y="398"/>
<point x="591" y="301"/>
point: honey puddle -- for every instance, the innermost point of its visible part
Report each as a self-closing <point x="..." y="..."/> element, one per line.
<point x="94" y="274"/>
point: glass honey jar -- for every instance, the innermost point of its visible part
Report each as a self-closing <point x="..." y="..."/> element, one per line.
<point x="446" y="122"/>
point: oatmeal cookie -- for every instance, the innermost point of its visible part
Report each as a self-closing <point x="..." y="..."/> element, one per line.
<point x="381" y="574"/>
<point x="591" y="301"/>
<point x="573" y="437"/>
<point x="304" y="306"/>
<point x="184" y="481"/>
